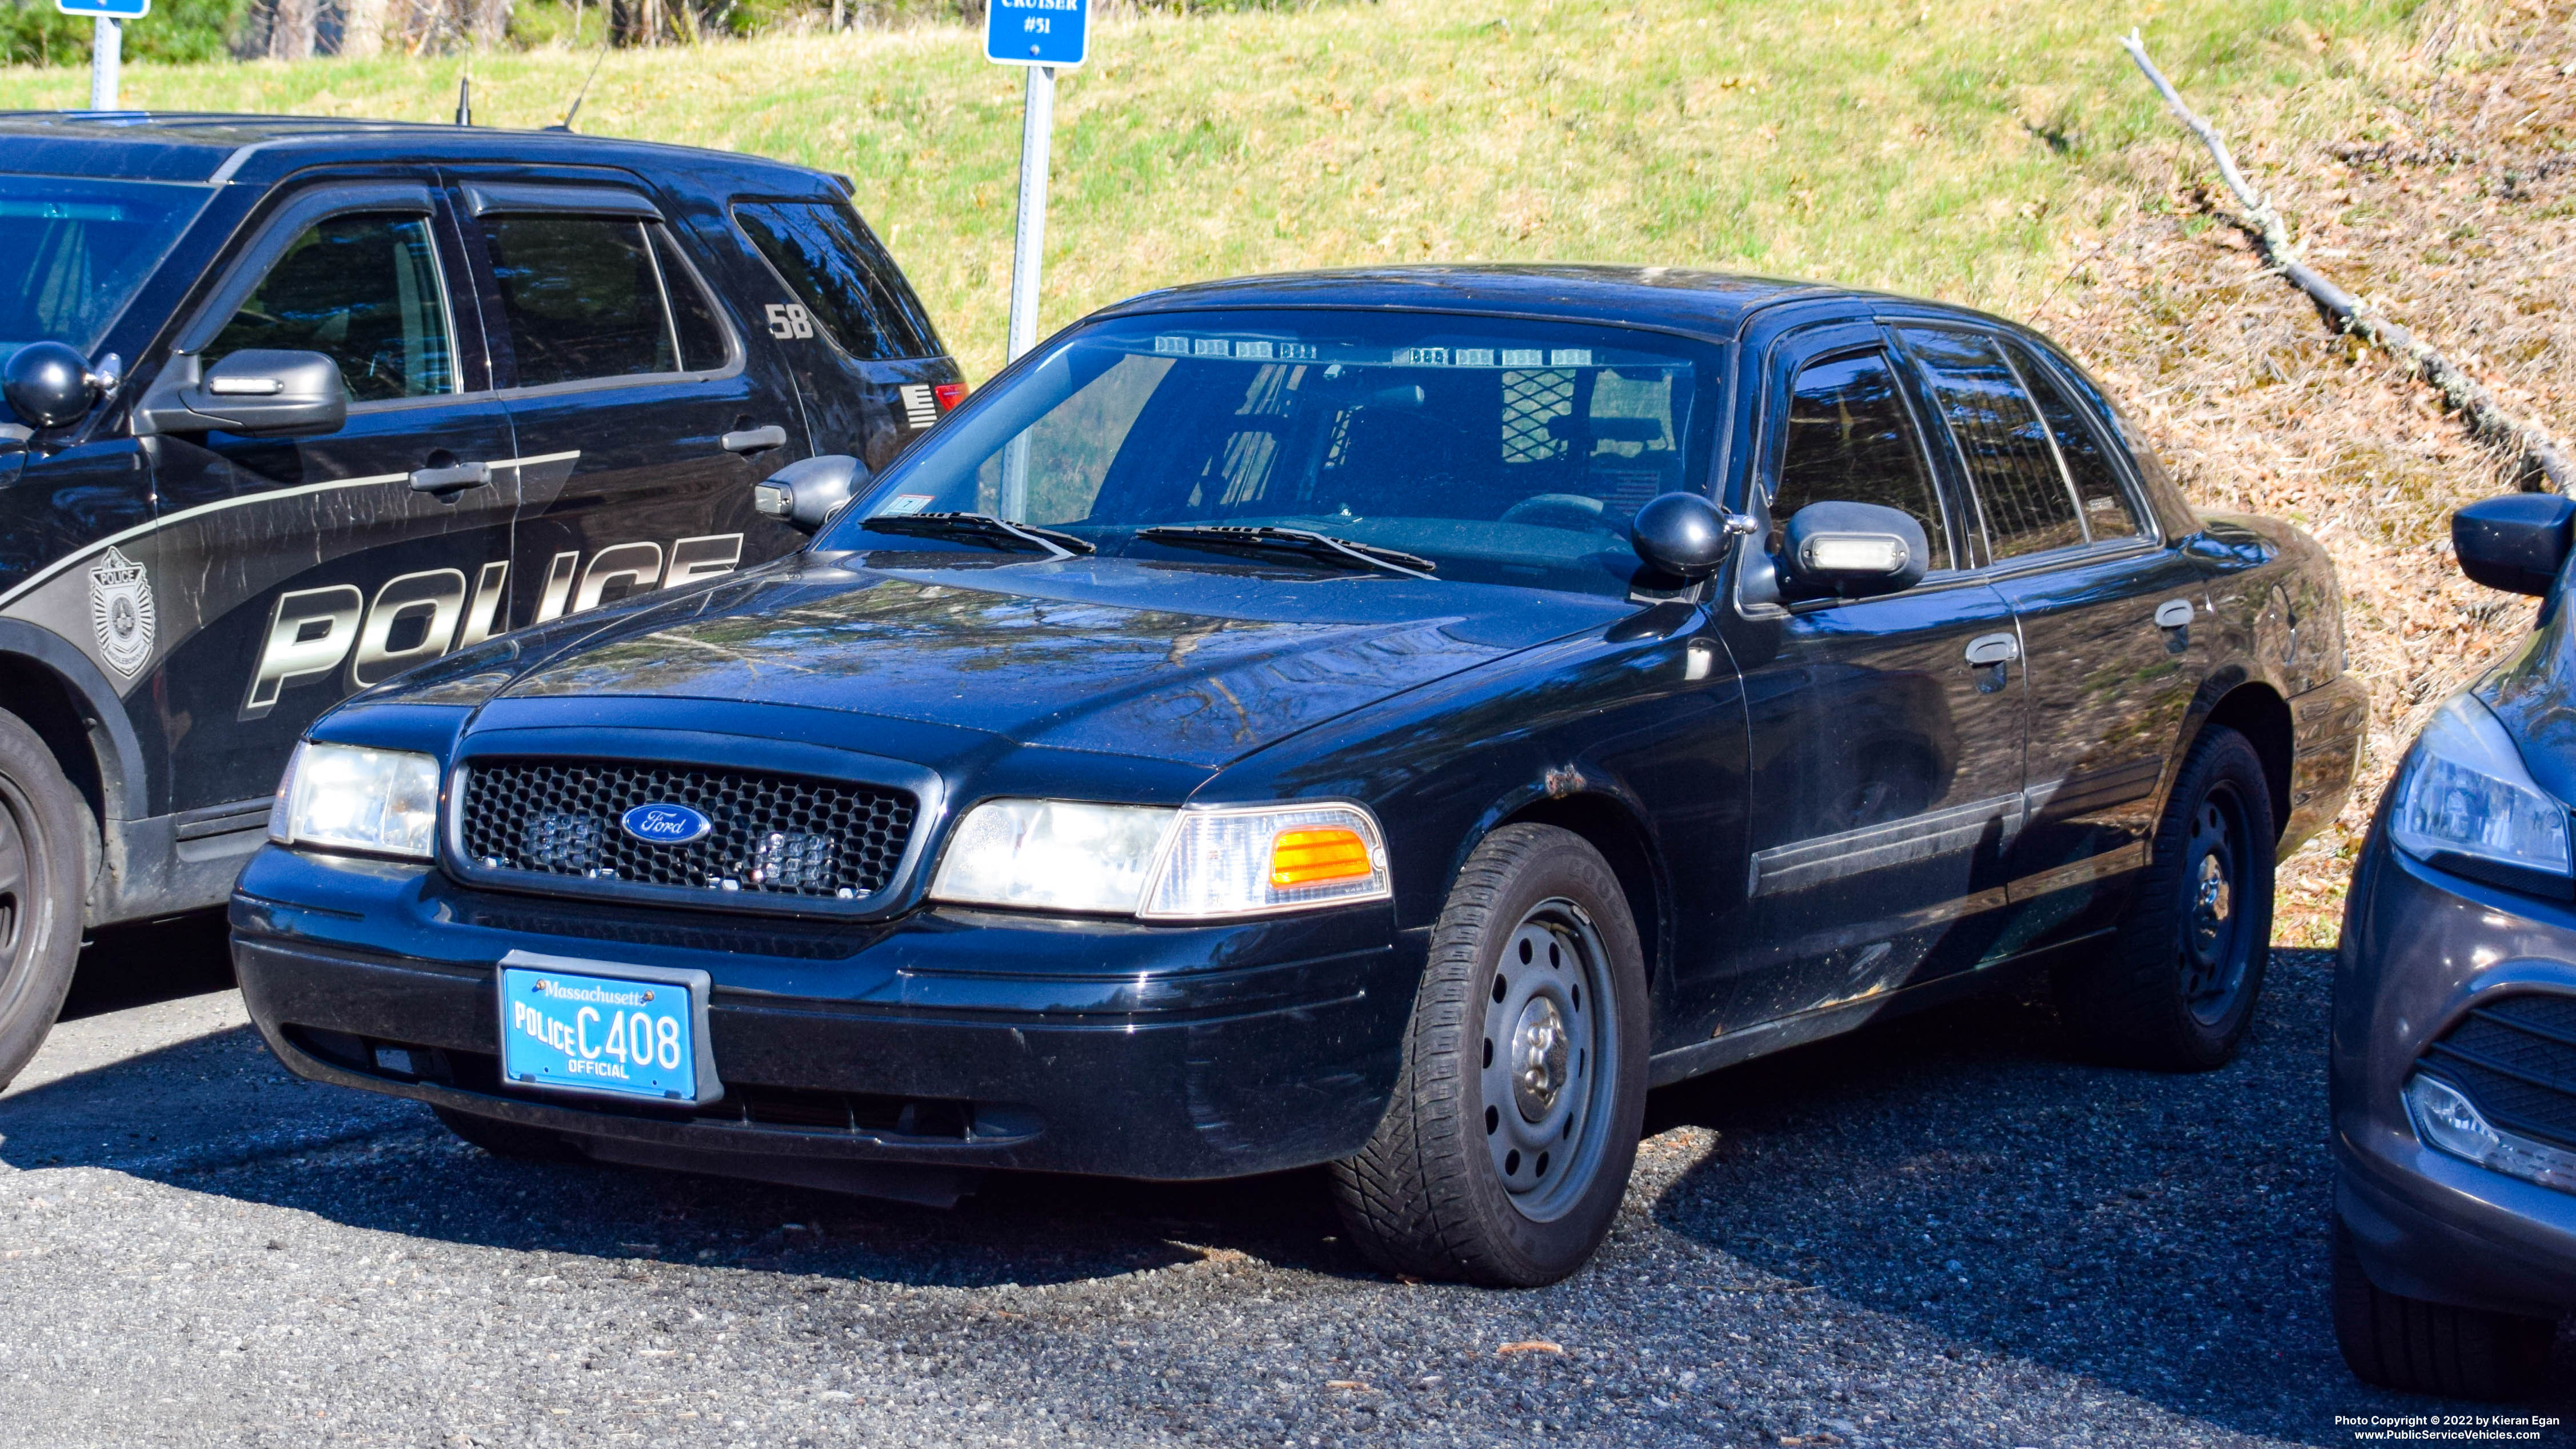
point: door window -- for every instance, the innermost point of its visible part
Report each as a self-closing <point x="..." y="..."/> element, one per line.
<point x="2108" y="513"/>
<point x="1851" y="439"/>
<point x="838" y="274"/>
<point x="362" y="290"/>
<point x="2027" y="505"/>
<point x="591" y="297"/>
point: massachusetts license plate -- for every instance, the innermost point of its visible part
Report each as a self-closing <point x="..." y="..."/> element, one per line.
<point x="569" y="1029"/>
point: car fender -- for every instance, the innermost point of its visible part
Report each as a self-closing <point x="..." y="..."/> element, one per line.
<point x="124" y="770"/>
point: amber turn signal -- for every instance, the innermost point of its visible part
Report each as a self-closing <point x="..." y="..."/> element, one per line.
<point x="1312" y="857"/>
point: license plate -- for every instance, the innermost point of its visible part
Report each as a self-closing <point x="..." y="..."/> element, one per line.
<point x="633" y="1032"/>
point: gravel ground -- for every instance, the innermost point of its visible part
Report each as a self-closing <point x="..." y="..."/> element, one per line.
<point x="1937" y="1232"/>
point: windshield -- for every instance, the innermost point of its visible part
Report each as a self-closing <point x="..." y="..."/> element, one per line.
<point x="1501" y="451"/>
<point x="73" y="252"/>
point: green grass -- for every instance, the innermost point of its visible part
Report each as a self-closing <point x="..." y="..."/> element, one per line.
<point x="1951" y="150"/>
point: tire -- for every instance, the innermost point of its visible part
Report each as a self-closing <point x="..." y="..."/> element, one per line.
<point x="1534" y="962"/>
<point x="46" y="844"/>
<point x="2185" y="966"/>
<point x="2433" y="1348"/>
<point x="508" y="1139"/>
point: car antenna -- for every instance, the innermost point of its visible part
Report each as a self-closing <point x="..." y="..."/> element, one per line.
<point x="579" y="95"/>
<point x="465" y="95"/>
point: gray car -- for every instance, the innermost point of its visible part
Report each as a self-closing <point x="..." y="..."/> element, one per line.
<point x="2454" y="1068"/>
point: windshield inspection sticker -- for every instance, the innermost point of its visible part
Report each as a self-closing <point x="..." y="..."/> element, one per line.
<point x="904" y="503"/>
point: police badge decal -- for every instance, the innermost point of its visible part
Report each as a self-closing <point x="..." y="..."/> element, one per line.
<point x="120" y="609"/>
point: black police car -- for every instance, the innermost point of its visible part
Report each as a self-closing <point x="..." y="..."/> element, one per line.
<point x="1331" y="719"/>
<point x="2454" y="1063"/>
<point x="297" y="404"/>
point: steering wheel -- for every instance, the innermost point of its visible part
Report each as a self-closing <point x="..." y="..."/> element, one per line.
<point x="1573" y="512"/>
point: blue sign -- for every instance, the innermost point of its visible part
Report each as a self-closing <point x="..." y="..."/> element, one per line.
<point x="112" y="9"/>
<point x="610" y="1036"/>
<point x="1037" y="32"/>
<point x="665" y="824"/>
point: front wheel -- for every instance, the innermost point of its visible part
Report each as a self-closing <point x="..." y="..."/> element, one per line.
<point x="45" y="844"/>
<point x="2176" y="989"/>
<point x="1505" y="1150"/>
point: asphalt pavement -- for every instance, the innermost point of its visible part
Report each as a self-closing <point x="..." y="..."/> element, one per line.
<point x="1939" y="1231"/>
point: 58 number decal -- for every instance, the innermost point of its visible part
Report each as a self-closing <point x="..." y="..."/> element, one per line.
<point x="787" y="319"/>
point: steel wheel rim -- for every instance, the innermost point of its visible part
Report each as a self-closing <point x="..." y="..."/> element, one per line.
<point x="1548" y="1059"/>
<point x="17" y="886"/>
<point x="2216" y="862"/>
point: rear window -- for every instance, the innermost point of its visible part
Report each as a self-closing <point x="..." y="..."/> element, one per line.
<point x="74" y="252"/>
<point x="2027" y="504"/>
<point x="848" y="284"/>
<point x="590" y="297"/>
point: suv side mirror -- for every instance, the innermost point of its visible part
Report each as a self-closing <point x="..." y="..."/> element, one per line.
<point x="259" y="392"/>
<point x="48" y="384"/>
<point x="805" y="493"/>
<point x="1854" y="550"/>
<point x="2516" y="542"/>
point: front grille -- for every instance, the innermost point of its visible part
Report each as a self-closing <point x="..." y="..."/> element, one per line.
<point x="2516" y="1058"/>
<point x="793" y="836"/>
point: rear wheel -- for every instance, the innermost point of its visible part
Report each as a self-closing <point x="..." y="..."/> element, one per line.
<point x="508" y="1139"/>
<point x="1505" y="1151"/>
<point x="2432" y="1348"/>
<point x="2185" y="967"/>
<point x="44" y="873"/>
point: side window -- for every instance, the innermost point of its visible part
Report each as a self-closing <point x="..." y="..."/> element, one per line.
<point x="836" y="271"/>
<point x="1851" y="439"/>
<point x="2108" y="511"/>
<point x="582" y="298"/>
<point x="706" y="343"/>
<point x="364" y="291"/>
<point x="2027" y="506"/>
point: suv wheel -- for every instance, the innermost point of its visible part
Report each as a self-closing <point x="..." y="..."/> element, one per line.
<point x="2178" y="990"/>
<point x="44" y="875"/>
<point x="1505" y="1150"/>
<point x="2432" y="1348"/>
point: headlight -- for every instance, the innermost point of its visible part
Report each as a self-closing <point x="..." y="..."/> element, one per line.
<point x="1052" y="855"/>
<point x="2466" y="803"/>
<point x="1268" y="858"/>
<point x="349" y="798"/>
<point x="1163" y="865"/>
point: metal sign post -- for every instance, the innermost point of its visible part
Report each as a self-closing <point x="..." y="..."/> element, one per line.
<point x="107" y="42"/>
<point x="1041" y="35"/>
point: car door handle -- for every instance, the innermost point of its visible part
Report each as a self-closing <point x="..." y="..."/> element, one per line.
<point x="754" y="440"/>
<point x="2174" y="614"/>
<point x="1993" y="649"/>
<point x="451" y="478"/>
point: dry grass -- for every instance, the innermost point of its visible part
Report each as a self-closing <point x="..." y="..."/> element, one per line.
<point x="2447" y="206"/>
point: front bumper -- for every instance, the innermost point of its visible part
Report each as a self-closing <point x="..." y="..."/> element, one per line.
<point x="2421" y="948"/>
<point x="949" y="1039"/>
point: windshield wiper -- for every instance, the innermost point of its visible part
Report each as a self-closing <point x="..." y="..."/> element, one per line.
<point x="1267" y="539"/>
<point x="981" y="528"/>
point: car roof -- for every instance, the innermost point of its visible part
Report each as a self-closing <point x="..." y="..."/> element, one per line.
<point x="212" y="147"/>
<point x="1706" y="304"/>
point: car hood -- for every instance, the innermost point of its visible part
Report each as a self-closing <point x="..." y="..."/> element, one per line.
<point x="1191" y="665"/>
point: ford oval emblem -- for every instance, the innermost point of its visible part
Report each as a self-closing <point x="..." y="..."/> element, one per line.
<point x="660" y="824"/>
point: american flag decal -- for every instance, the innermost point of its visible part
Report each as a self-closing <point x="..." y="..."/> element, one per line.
<point x="920" y="406"/>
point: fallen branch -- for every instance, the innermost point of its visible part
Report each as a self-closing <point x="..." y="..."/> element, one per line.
<point x="2487" y="417"/>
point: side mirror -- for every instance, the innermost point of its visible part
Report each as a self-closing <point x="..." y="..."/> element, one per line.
<point x="805" y="493"/>
<point x="1682" y="535"/>
<point x="1854" y="550"/>
<point x="48" y="384"/>
<point x="260" y="392"/>
<point x="2516" y="542"/>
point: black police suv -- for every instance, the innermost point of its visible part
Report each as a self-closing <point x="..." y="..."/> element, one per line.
<point x="1387" y="719"/>
<point x="294" y="405"/>
<point x="2454" y="1056"/>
